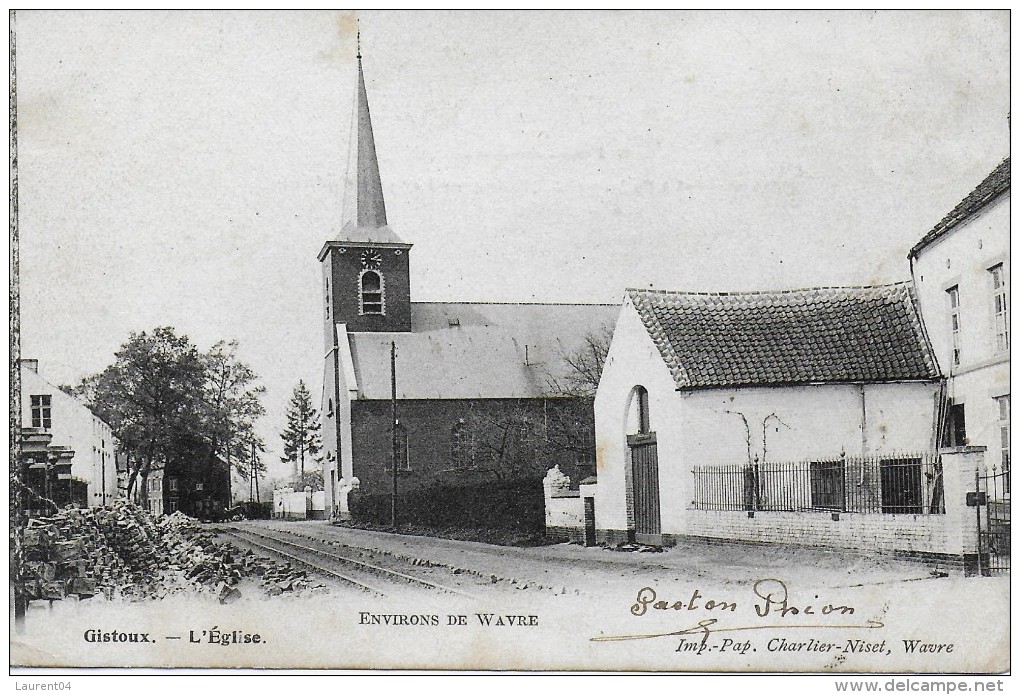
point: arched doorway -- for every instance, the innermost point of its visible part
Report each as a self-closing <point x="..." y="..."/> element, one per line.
<point x="644" y="470"/>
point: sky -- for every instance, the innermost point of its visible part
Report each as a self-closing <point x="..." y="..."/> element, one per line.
<point x="185" y="168"/>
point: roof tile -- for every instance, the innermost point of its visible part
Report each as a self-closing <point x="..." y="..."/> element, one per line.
<point x="819" y="335"/>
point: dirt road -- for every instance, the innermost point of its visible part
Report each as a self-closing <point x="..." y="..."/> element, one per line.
<point x="573" y="569"/>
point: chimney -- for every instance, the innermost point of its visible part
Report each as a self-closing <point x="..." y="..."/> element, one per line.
<point x="33" y="365"/>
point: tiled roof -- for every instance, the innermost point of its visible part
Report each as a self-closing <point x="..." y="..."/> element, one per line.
<point x="994" y="185"/>
<point x="821" y="335"/>
<point x="477" y="350"/>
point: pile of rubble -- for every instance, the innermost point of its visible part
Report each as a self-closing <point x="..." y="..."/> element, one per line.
<point x="122" y="551"/>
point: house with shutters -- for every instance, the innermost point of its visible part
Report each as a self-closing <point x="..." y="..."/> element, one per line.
<point x="961" y="273"/>
<point x="805" y="416"/>
<point x="450" y="367"/>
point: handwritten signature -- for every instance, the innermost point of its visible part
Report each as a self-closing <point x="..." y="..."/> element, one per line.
<point x="771" y="598"/>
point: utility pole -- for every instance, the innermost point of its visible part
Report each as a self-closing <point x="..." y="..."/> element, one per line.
<point x="255" y="473"/>
<point x="393" y="431"/>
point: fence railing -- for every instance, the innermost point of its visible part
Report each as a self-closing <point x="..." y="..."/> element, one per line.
<point x="890" y="484"/>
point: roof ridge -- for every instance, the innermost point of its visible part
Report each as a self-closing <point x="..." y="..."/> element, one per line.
<point x="901" y="283"/>
<point x="991" y="188"/>
<point x="525" y="303"/>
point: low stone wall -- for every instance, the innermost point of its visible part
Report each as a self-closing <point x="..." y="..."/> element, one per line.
<point x="564" y="508"/>
<point x="564" y="511"/>
<point x="289" y="503"/>
<point x="571" y="534"/>
<point x="927" y="533"/>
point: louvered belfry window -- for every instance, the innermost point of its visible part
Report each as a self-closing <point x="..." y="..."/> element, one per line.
<point x="372" y="301"/>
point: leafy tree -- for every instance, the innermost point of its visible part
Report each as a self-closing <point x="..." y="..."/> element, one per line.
<point x="151" y="398"/>
<point x="231" y="398"/>
<point x="301" y="440"/>
<point x="169" y="404"/>
<point x="312" y="479"/>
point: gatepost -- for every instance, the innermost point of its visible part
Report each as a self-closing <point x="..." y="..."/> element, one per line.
<point x="960" y="466"/>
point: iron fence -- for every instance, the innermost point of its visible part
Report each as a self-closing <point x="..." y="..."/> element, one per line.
<point x="993" y="523"/>
<point x="891" y="484"/>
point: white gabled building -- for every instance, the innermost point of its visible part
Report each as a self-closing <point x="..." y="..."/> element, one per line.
<point x="801" y="405"/>
<point x="48" y="409"/>
<point x="961" y="272"/>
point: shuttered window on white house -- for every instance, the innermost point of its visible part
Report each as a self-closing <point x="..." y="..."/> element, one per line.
<point x="1003" y="403"/>
<point x="1000" y="314"/>
<point x="954" y="321"/>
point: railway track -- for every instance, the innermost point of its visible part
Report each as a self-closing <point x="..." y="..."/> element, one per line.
<point x="318" y="560"/>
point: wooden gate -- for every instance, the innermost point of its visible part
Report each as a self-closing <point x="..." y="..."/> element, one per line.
<point x="993" y="521"/>
<point x="645" y="481"/>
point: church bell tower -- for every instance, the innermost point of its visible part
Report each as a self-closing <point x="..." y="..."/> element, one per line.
<point x="366" y="267"/>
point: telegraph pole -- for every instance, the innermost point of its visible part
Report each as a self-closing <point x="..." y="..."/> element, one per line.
<point x="393" y="431"/>
<point x="255" y="472"/>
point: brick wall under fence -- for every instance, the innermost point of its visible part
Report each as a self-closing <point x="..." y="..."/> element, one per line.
<point x="926" y="534"/>
<point x="835" y="515"/>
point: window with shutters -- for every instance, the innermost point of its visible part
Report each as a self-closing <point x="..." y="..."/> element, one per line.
<point x="954" y="322"/>
<point x="1000" y="315"/>
<point x="1003" y="405"/>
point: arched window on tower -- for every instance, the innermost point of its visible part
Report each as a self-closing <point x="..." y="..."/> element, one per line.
<point x="372" y="292"/>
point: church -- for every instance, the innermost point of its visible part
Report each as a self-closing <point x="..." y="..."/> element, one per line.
<point x="480" y="391"/>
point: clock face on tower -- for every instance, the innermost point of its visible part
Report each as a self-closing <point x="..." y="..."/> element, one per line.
<point x="371" y="259"/>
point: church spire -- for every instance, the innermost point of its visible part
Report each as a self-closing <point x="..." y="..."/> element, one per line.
<point x="363" y="195"/>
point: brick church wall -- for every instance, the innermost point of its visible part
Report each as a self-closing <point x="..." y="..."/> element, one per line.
<point x="429" y="425"/>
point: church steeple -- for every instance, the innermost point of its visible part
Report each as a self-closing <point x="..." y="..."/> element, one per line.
<point x="364" y="208"/>
<point x="366" y="267"/>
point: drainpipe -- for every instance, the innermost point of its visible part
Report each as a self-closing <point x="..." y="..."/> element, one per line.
<point x="864" y="423"/>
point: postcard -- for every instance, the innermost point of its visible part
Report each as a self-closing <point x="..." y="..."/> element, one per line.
<point x="511" y="341"/>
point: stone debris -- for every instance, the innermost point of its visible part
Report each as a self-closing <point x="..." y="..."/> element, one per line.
<point x="123" y="551"/>
<point x="635" y="547"/>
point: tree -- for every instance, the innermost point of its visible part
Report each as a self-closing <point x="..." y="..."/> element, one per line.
<point x="151" y="398"/>
<point x="571" y="427"/>
<point x="581" y="369"/>
<point x="506" y="440"/>
<point x="169" y="404"/>
<point x="527" y="437"/>
<point x="312" y="479"/>
<point x="231" y="398"/>
<point x="301" y="439"/>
